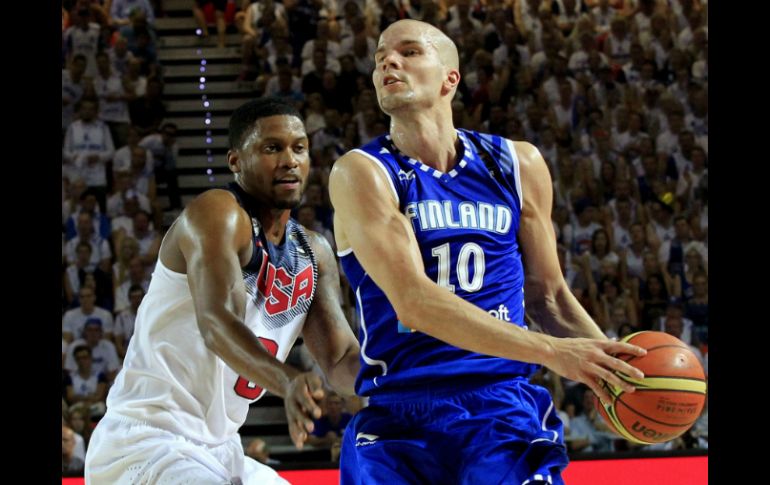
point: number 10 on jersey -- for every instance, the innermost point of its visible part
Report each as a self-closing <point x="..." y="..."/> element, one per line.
<point x="468" y="251"/>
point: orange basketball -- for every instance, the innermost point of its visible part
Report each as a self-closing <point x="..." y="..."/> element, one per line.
<point x="669" y="399"/>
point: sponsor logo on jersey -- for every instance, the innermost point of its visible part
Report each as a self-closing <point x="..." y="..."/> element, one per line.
<point x="402" y="175"/>
<point x="363" y="439"/>
<point x="501" y="313"/>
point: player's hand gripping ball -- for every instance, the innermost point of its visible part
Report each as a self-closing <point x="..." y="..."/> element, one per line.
<point x="669" y="399"/>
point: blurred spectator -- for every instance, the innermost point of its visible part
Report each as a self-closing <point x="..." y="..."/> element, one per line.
<point x="100" y="247"/>
<point x="303" y="18"/>
<point x="124" y="322"/>
<point x="74" y="320"/>
<point x="700" y="430"/>
<point x="126" y="250"/>
<point x="70" y="464"/>
<point x="579" y="234"/>
<point x="696" y="308"/>
<point x="674" y="326"/>
<point x="587" y="430"/>
<point x="137" y="276"/>
<point x="219" y="13"/>
<point x="653" y="298"/>
<point x="71" y="192"/>
<point x="121" y="10"/>
<point x="134" y="81"/>
<point x="84" y="38"/>
<point x="125" y="195"/>
<point x="254" y="54"/>
<point x="602" y="15"/>
<point x="148" y="110"/>
<point x="258" y="449"/>
<point x="695" y="254"/>
<point x="148" y="239"/>
<point x="103" y="356"/>
<point x="79" y="419"/>
<point x="122" y="160"/>
<point x="120" y="57"/>
<point x="675" y="313"/>
<point x="615" y="307"/>
<point x="361" y="49"/>
<point x="85" y="386"/>
<point x="88" y="146"/>
<point x="123" y="229"/>
<point x="164" y="149"/>
<point x="331" y="135"/>
<point x="88" y="203"/>
<point x="322" y="40"/>
<point x="142" y="177"/>
<point x="278" y="47"/>
<point x="73" y="83"/>
<point x="77" y="275"/>
<point x="141" y="40"/>
<point x="72" y="274"/>
<point x="331" y="425"/>
<point x="617" y="45"/>
<point x="113" y="99"/>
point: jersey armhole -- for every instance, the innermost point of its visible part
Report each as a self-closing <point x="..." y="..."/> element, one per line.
<point x="516" y="172"/>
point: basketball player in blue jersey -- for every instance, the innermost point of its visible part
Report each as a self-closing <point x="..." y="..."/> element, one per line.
<point x="443" y="234"/>
<point x="236" y="282"/>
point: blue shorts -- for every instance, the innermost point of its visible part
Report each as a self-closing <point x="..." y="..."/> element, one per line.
<point x="502" y="432"/>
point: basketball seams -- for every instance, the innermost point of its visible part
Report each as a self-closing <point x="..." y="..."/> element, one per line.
<point x="655" y="348"/>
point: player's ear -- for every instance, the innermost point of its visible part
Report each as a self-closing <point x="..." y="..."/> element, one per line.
<point x="234" y="161"/>
<point x="451" y="81"/>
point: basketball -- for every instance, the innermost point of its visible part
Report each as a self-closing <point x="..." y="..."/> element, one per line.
<point x="669" y="399"/>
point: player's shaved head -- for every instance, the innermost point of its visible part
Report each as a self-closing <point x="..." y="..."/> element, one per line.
<point x="445" y="47"/>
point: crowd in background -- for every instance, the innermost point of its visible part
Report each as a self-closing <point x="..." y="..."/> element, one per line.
<point x="613" y="93"/>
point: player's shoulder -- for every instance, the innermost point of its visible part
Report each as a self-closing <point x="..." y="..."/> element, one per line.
<point x="215" y="208"/>
<point x="355" y="166"/>
<point x="213" y="199"/>
<point x="526" y="152"/>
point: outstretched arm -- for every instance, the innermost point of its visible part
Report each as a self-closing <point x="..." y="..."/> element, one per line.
<point x="215" y="239"/>
<point x="367" y="220"/>
<point x="327" y="333"/>
<point x="548" y="297"/>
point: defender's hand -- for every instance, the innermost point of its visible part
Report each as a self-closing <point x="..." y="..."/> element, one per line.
<point x="303" y="394"/>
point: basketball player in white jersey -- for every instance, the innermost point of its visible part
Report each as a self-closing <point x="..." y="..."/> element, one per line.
<point x="236" y="282"/>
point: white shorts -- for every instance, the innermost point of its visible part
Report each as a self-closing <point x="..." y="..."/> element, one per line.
<point x="126" y="451"/>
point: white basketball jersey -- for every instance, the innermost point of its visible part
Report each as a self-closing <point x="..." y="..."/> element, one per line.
<point x="172" y="381"/>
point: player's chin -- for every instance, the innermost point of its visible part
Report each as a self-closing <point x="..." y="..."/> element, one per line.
<point x="287" y="202"/>
<point x="394" y="102"/>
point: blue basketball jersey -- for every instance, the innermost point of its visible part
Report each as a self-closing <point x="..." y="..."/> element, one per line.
<point x="465" y="222"/>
